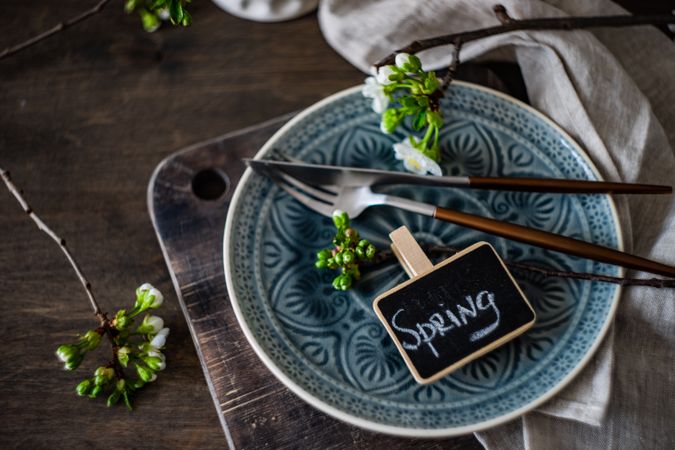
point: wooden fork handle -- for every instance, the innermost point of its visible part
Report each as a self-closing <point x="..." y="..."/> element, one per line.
<point x="553" y="241"/>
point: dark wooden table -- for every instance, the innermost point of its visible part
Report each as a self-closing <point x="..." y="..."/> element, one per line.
<point x="84" y="118"/>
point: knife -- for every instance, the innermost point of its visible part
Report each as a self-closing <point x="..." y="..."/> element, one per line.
<point x="355" y="176"/>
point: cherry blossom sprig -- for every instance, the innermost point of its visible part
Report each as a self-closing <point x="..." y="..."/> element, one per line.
<point x="404" y="91"/>
<point x="139" y="349"/>
<point x="136" y="350"/>
<point x="349" y="251"/>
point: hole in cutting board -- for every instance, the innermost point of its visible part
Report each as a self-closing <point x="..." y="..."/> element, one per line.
<point x="210" y="184"/>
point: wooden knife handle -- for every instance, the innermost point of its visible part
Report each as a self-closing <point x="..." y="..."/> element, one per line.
<point x="553" y="241"/>
<point x="565" y="186"/>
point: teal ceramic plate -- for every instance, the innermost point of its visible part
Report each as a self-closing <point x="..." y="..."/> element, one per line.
<point x="330" y="349"/>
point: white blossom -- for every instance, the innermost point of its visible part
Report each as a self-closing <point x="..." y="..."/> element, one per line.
<point x="414" y="160"/>
<point x="383" y="75"/>
<point x="152" y="324"/>
<point x="158" y="298"/>
<point x="160" y="339"/>
<point x="401" y="58"/>
<point x="375" y="90"/>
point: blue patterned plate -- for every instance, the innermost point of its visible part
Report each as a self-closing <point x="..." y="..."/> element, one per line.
<point x="329" y="347"/>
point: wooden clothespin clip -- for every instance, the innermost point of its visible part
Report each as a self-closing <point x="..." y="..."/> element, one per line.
<point x="449" y="314"/>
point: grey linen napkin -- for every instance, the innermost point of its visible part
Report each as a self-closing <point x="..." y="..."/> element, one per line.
<point x="613" y="91"/>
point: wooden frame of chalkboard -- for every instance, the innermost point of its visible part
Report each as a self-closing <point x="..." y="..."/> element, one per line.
<point x="474" y="355"/>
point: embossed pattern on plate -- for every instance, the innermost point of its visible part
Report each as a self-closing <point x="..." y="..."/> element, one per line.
<point x="329" y="347"/>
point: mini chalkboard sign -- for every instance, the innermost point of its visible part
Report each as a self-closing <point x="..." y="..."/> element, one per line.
<point x="452" y="313"/>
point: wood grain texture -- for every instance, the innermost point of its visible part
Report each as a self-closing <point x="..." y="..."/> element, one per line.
<point x="84" y="119"/>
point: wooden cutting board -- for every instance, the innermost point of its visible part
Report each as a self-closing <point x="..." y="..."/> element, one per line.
<point x="188" y="198"/>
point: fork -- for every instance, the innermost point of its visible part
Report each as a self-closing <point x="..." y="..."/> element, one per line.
<point x="325" y="199"/>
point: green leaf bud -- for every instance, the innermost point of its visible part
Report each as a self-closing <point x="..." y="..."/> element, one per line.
<point x="123" y="355"/>
<point x="67" y="352"/>
<point x="73" y="363"/>
<point x="419" y="121"/>
<point x="323" y="254"/>
<point x="145" y="374"/>
<point x="130" y="5"/>
<point x="149" y="20"/>
<point x="415" y="63"/>
<point x="83" y="388"/>
<point x="113" y="398"/>
<point x="154" y="363"/>
<point x="103" y="375"/>
<point x="90" y="340"/>
<point x="340" y="219"/>
<point x="127" y="400"/>
<point x="370" y="252"/>
<point x="391" y="119"/>
<point x="95" y="391"/>
<point x="435" y="119"/>
<point x="408" y="101"/>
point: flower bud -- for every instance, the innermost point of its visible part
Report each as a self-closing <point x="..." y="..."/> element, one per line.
<point x="383" y="74"/>
<point x="401" y="59"/>
<point x="340" y="219"/>
<point x="147" y="297"/>
<point x="323" y="254"/>
<point x="103" y="375"/>
<point x="67" y="352"/>
<point x="151" y="325"/>
<point x="160" y="339"/>
<point x="73" y="363"/>
<point x="154" y="363"/>
<point x="83" y="388"/>
<point x="90" y="340"/>
<point x="123" y="355"/>
<point x="121" y="320"/>
<point x="145" y="374"/>
<point x="113" y="398"/>
<point x="155" y="298"/>
<point x="95" y="391"/>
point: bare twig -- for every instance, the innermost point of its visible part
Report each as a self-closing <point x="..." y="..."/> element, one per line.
<point x="60" y="241"/>
<point x="443" y="250"/>
<point x="509" y="24"/>
<point x="55" y="29"/>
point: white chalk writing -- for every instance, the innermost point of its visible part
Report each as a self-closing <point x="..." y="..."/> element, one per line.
<point x="424" y="333"/>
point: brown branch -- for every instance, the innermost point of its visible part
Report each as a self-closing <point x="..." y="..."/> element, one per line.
<point x="55" y="29"/>
<point x="60" y="241"/>
<point x="509" y="24"/>
<point x="442" y="250"/>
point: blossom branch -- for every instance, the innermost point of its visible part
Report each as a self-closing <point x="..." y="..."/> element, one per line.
<point x="443" y="250"/>
<point x="509" y="24"/>
<point x="53" y="30"/>
<point x="55" y="237"/>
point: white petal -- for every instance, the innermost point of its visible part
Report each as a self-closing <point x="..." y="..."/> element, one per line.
<point x="159" y="298"/>
<point x="401" y="59"/>
<point x="380" y="104"/>
<point x="383" y="75"/>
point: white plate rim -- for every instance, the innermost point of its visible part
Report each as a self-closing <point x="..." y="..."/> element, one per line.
<point x="369" y="424"/>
